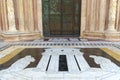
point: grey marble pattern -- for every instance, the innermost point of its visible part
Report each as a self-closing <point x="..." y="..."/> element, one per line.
<point x="106" y="64"/>
<point x="108" y="70"/>
<point x="19" y="65"/>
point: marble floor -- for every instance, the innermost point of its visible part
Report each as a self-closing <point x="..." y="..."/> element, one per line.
<point x="60" y="59"/>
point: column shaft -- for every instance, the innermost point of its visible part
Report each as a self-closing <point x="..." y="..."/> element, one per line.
<point x="11" y="16"/>
<point x="4" y="16"/>
<point x="39" y="13"/>
<point x="0" y="17"/>
<point x="21" y="15"/>
<point x="112" y="16"/>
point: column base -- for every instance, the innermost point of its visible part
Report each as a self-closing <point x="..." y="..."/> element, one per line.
<point x="93" y="35"/>
<point x="112" y="36"/>
<point x="12" y="31"/>
<point x="20" y="36"/>
<point x="110" y="31"/>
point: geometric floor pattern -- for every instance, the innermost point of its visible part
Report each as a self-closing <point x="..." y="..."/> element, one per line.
<point x="60" y="59"/>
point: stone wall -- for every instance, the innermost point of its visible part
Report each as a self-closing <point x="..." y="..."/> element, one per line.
<point x="100" y="19"/>
<point x="22" y="19"/>
<point x="95" y="18"/>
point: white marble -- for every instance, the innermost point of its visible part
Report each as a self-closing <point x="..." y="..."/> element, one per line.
<point x="108" y="70"/>
<point x="54" y="64"/>
<point x="54" y="44"/>
<point x="82" y="62"/>
<point x="72" y="65"/>
<point x="43" y="63"/>
<point x="2" y="44"/>
<point x="106" y="64"/>
<point x="19" y="65"/>
<point x="74" y="39"/>
<point x="39" y="40"/>
<point x="58" y="39"/>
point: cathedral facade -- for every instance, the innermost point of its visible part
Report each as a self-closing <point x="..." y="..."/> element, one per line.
<point x="34" y="19"/>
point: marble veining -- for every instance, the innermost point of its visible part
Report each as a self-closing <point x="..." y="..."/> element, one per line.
<point x="19" y="65"/>
<point x="108" y="70"/>
<point x="106" y="64"/>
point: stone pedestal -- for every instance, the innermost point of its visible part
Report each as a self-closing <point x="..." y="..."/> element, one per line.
<point x="20" y="36"/>
<point x="112" y="36"/>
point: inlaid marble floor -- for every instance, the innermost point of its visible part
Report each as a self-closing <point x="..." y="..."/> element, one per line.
<point x="55" y="59"/>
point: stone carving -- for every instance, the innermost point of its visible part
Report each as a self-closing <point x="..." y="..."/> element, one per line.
<point x="105" y="63"/>
<point x="19" y="65"/>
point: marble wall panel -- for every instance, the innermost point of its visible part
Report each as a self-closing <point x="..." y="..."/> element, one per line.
<point x="118" y="16"/>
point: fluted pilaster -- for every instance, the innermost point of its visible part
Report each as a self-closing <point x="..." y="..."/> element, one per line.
<point x="4" y="18"/>
<point x="11" y="16"/>
<point x="112" y="16"/>
<point x="21" y="15"/>
<point x="39" y="14"/>
<point x="111" y="33"/>
<point x="0" y="17"/>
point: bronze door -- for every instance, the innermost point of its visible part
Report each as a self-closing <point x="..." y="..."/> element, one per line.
<point x="61" y="17"/>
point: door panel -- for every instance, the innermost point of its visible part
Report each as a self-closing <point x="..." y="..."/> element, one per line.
<point x="61" y="17"/>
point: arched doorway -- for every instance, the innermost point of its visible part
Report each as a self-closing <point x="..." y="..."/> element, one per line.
<point x="61" y="18"/>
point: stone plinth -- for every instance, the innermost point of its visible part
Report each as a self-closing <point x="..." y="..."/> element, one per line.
<point x="93" y="35"/>
<point x="21" y="36"/>
<point x="112" y="36"/>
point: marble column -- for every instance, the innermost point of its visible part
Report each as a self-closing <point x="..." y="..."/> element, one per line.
<point x="118" y="16"/>
<point x="39" y="14"/>
<point x="112" y="16"/>
<point x="111" y="33"/>
<point x="102" y="15"/>
<point x="0" y="17"/>
<point x="4" y="16"/>
<point x="21" y="15"/>
<point x="30" y="14"/>
<point x="11" y="16"/>
<point x="83" y="18"/>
